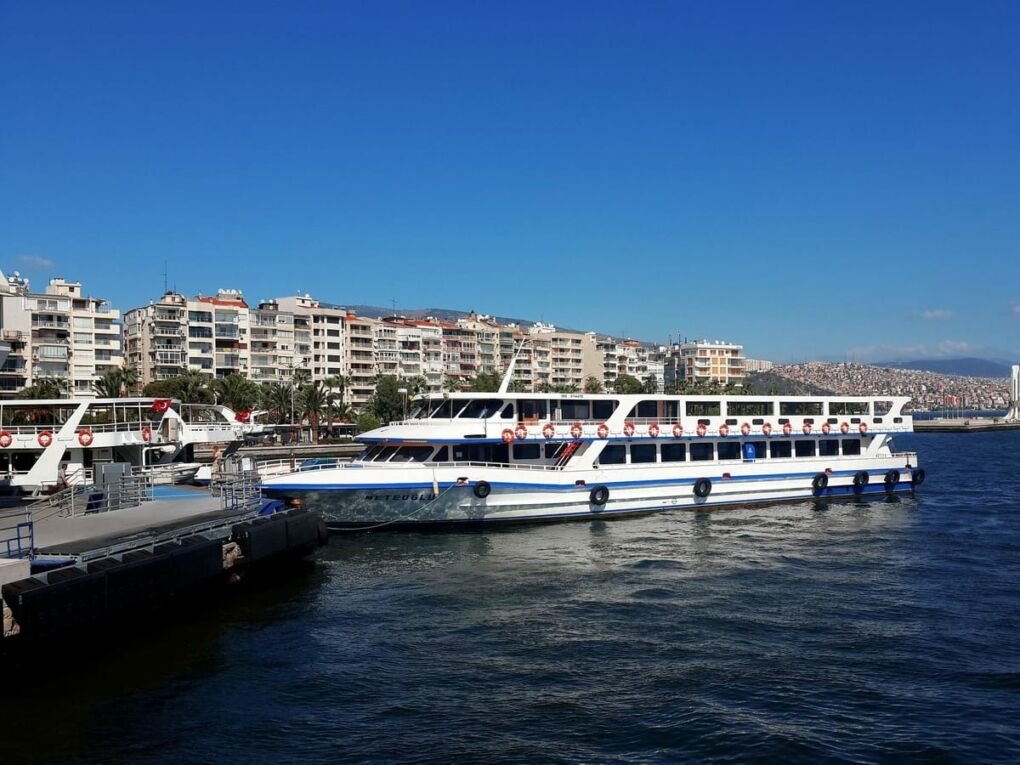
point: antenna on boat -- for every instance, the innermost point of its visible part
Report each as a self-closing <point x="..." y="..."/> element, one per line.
<point x="504" y="386"/>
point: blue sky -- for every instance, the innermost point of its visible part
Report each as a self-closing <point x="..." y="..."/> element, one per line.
<point x="813" y="180"/>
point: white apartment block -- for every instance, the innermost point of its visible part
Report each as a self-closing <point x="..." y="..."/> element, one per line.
<point x="59" y="333"/>
<point x="271" y="346"/>
<point x="320" y="337"/>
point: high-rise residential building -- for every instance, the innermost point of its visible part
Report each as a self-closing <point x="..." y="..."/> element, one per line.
<point x="271" y="343"/>
<point x="704" y="361"/>
<point x="56" y="334"/>
<point x="156" y="342"/>
<point x="218" y="334"/>
<point x="321" y="342"/>
<point x="361" y="363"/>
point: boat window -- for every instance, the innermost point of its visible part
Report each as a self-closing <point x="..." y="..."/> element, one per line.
<point x="642" y="453"/>
<point x="883" y="407"/>
<point x="729" y="450"/>
<point x="701" y="452"/>
<point x="481" y="408"/>
<point x="442" y="454"/>
<point x="602" y="409"/>
<point x="800" y="408"/>
<point x="849" y="407"/>
<point x="370" y="453"/>
<point x="778" y="449"/>
<point x="444" y="409"/>
<point x="412" y="454"/>
<point x="851" y="446"/>
<point x="749" y="408"/>
<point x="573" y="410"/>
<point x="674" y="452"/>
<point x="385" y="453"/>
<point x="613" y="454"/>
<point x="703" y="408"/>
<point x="804" y="448"/>
<point x="534" y="410"/>
<point x="508" y="411"/>
<point x="645" y="409"/>
<point x="420" y="410"/>
<point x="497" y="453"/>
<point x="828" y="447"/>
<point x="527" y="451"/>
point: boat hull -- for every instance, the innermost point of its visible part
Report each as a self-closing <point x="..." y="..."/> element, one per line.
<point x="410" y="506"/>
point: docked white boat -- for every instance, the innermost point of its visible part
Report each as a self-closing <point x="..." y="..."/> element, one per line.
<point x="467" y="458"/>
<point x="48" y="444"/>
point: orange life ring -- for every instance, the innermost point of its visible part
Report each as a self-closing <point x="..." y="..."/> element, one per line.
<point x="787" y="429"/>
<point x="844" y="428"/>
<point x="576" y="430"/>
<point x="678" y="430"/>
<point x="521" y="431"/>
<point x="548" y="430"/>
<point x="653" y="430"/>
<point x="6" y="439"/>
<point x="628" y="428"/>
<point x="767" y="429"/>
<point x="826" y="427"/>
<point x="85" y="437"/>
<point x="45" y="438"/>
<point x="806" y="429"/>
<point x="146" y="433"/>
<point x="745" y="429"/>
<point x="603" y="430"/>
<point x="701" y="430"/>
<point x="507" y="435"/>
<point x="863" y="427"/>
<point x="724" y="430"/>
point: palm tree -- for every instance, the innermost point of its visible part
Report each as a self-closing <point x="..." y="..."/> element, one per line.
<point x="192" y="387"/>
<point x="313" y="401"/>
<point x="277" y="397"/>
<point x="47" y="387"/>
<point x="109" y="384"/>
<point x="128" y="379"/>
<point x="336" y="389"/>
<point x="236" y="392"/>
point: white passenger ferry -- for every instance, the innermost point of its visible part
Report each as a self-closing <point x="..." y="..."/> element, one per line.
<point x="464" y="458"/>
<point x="51" y="443"/>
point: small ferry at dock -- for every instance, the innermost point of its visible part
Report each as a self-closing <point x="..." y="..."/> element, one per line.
<point x="46" y="444"/>
<point x="472" y="458"/>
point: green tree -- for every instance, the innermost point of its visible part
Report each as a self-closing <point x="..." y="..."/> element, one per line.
<point x="367" y="421"/>
<point x="47" y="387"/>
<point x="314" y="400"/>
<point x="628" y="384"/>
<point x="193" y="387"/>
<point x="276" y="398"/>
<point x="387" y="403"/>
<point x="236" y="392"/>
<point x="487" y="382"/>
<point x="593" y="384"/>
<point x="650" y="385"/>
<point x="110" y="384"/>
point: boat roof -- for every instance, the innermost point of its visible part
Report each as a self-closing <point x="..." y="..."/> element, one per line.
<point x="144" y="400"/>
<point x="432" y="396"/>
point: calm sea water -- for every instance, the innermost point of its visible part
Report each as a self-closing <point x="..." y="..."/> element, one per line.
<point x="884" y="631"/>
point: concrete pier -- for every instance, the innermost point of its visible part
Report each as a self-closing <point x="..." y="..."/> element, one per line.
<point x="88" y="569"/>
<point x="965" y="425"/>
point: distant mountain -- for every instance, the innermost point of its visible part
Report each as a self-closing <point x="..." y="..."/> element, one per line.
<point x="967" y="367"/>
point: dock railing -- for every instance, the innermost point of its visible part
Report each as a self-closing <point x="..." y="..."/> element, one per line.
<point x="74" y="501"/>
<point x="17" y="533"/>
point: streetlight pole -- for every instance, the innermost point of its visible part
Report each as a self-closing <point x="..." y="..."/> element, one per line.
<point x="403" y="394"/>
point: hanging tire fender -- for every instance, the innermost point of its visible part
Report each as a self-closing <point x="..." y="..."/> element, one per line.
<point x="917" y="477"/>
<point x="703" y="487"/>
<point x="599" y="495"/>
<point x="482" y="489"/>
<point x="891" y="479"/>
<point x="861" y="479"/>
<point x="820" y="482"/>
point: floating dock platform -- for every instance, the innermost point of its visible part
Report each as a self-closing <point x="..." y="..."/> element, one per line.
<point x="64" y="571"/>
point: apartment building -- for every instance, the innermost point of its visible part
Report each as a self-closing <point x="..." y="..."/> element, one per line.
<point x="703" y="361"/>
<point x="321" y="343"/>
<point x="59" y="333"/>
<point x="156" y="338"/>
<point x="271" y="343"/>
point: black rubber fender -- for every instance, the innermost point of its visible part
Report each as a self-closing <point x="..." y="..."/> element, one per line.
<point x="599" y="495"/>
<point x="703" y="487"/>
<point x="891" y="479"/>
<point x="820" y="482"/>
<point x="482" y="489"/>
<point x="917" y="477"/>
<point x="861" y="479"/>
